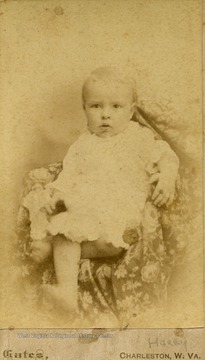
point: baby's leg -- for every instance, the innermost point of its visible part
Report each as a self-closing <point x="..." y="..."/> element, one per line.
<point x="66" y="261"/>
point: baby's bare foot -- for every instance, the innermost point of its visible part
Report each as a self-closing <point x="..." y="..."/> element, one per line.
<point x="59" y="297"/>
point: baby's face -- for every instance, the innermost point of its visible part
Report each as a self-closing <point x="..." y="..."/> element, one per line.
<point x="108" y="106"/>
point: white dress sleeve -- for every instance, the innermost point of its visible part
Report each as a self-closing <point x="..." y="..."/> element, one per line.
<point x="67" y="175"/>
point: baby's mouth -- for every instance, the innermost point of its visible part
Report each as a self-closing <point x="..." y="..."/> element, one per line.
<point x="105" y="126"/>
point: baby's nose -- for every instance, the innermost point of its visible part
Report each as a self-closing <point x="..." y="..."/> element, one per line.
<point x="106" y="113"/>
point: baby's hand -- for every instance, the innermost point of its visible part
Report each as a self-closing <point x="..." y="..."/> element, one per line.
<point x="57" y="201"/>
<point x="130" y="236"/>
<point x="164" y="191"/>
<point x="41" y="249"/>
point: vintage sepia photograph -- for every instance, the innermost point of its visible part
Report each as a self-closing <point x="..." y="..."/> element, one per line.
<point x="102" y="162"/>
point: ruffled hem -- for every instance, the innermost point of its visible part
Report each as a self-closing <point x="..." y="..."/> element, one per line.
<point x="80" y="229"/>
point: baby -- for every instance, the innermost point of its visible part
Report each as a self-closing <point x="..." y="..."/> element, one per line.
<point x="105" y="182"/>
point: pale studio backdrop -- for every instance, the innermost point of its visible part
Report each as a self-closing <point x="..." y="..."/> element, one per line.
<point x="48" y="49"/>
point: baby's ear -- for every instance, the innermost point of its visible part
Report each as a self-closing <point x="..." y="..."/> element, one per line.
<point x="133" y="108"/>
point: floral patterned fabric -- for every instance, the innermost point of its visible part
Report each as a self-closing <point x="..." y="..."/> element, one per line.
<point x="122" y="290"/>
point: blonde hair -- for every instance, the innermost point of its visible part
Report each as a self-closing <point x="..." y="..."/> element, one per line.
<point x="112" y="74"/>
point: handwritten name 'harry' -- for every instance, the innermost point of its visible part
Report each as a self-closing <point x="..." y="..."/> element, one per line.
<point x="161" y="342"/>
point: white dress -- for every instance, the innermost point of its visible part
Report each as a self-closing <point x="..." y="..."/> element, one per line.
<point x="105" y="184"/>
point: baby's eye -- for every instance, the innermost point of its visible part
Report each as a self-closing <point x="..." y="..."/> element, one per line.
<point x="117" y="106"/>
<point x="95" y="106"/>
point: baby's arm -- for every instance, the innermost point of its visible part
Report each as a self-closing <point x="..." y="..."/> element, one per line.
<point x="63" y="185"/>
<point x="158" y="156"/>
<point x="41" y="204"/>
<point x="165" y="178"/>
